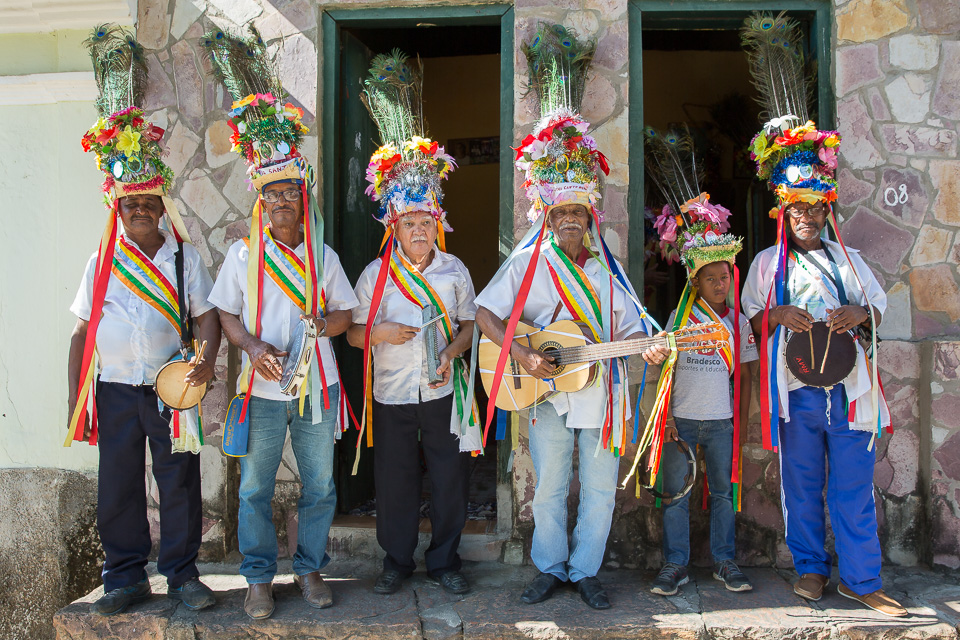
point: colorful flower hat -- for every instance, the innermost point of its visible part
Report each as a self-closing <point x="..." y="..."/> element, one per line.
<point x="266" y="132"/>
<point x="126" y="145"/>
<point x="797" y="161"/>
<point x="692" y="230"/>
<point x="560" y="161"/>
<point x="405" y="173"/>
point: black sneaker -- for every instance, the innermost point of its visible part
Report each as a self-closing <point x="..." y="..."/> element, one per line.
<point x="729" y="573"/>
<point x="671" y="577"/>
<point x="116" y="601"/>
<point x="193" y="594"/>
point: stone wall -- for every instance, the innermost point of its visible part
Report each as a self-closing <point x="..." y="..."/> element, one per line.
<point x="50" y="552"/>
<point x="896" y="66"/>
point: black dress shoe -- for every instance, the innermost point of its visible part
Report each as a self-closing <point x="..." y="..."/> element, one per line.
<point x="541" y="588"/>
<point x="118" y="600"/>
<point x="453" y="582"/>
<point x="591" y="591"/>
<point x="389" y="581"/>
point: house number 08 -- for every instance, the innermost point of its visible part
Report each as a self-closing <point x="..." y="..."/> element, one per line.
<point x="893" y="197"/>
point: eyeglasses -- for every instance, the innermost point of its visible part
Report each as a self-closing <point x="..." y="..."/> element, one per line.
<point x="272" y="197"/>
<point x="814" y="212"/>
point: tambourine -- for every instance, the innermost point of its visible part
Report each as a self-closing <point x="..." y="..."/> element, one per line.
<point x="296" y="365"/>
<point x="170" y="387"/>
<point x="821" y="357"/>
<point x="688" y="480"/>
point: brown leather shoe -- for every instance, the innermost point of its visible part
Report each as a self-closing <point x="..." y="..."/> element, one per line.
<point x="259" y="601"/>
<point x="878" y="601"/>
<point x="315" y="591"/>
<point x="810" y="586"/>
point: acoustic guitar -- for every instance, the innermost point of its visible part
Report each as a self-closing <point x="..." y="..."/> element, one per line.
<point x="575" y="357"/>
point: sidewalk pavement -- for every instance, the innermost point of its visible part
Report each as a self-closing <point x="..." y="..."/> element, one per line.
<point x="492" y="610"/>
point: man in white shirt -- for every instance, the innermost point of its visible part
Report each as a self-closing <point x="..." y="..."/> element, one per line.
<point x="272" y="412"/>
<point x="134" y="340"/>
<point x="139" y="297"/>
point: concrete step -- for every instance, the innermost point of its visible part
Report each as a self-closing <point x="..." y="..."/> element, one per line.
<point x="422" y="610"/>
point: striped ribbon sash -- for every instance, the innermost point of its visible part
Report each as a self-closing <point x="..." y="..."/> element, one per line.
<point x="576" y="291"/>
<point x="139" y="274"/>
<point x="288" y="271"/>
<point x="417" y="290"/>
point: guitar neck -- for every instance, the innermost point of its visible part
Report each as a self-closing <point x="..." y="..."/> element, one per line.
<point x="607" y="350"/>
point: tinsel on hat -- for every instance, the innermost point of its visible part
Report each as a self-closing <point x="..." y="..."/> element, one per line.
<point x="405" y="173"/>
<point x="797" y="161"/>
<point x="560" y="160"/>
<point x="267" y="133"/>
<point x="127" y="147"/>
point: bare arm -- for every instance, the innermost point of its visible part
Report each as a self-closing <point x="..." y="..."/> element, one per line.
<point x="392" y="332"/>
<point x="208" y="329"/>
<point x="264" y="357"/>
<point x="747" y="371"/>
<point x="74" y="360"/>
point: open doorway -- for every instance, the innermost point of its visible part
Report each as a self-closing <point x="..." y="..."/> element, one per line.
<point x="695" y="73"/>
<point x="462" y="107"/>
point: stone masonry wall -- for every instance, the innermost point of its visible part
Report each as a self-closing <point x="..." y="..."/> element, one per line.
<point x="897" y="73"/>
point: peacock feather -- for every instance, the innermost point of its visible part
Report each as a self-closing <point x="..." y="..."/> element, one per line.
<point x="393" y="94"/>
<point x="557" y="62"/>
<point x="670" y="161"/>
<point x="242" y="65"/>
<point x="119" y="67"/>
<point x="774" y="47"/>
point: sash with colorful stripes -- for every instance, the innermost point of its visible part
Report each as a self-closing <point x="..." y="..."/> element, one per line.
<point x="145" y="280"/>
<point x="703" y="314"/>
<point x="417" y="290"/>
<point x="576" y="291"/>
<point x="288" y="271"/>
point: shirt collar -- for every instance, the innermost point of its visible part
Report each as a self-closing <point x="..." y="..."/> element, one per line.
<point x="439" y="257"/>
<point x="167" y="250"/>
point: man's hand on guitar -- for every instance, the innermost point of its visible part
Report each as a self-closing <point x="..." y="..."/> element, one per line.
<point x="534" y="362"/>
<point x="657" y="353"/>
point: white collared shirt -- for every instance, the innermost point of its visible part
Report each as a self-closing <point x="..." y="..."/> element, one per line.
<point x="399" y="371"/>
<point x="754" y="297"/>
<point x="133" y="339"/>
<point x="278" y="314"/>
<point x="584" y="408"/>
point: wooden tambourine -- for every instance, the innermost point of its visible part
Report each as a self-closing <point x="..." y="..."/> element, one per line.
<point x="821" y="357"/>
<point x="688" y="480"/>
<point x="170" y="385"/>
<point x="296" y="365"/>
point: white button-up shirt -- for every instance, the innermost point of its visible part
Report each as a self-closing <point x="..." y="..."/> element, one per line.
<point x="399" y="372"/>
<point x="133" y="339"/>
<point x="754" y="297"/>
<point x="584" y="408"/>
<point x="278" y="314"/>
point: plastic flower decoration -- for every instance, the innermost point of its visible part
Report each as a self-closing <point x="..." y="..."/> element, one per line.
<point x="129" y="141"/>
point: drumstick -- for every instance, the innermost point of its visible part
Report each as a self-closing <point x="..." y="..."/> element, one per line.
<point x="813" y="359"/>
<point x="199" y="355"/>
<point x="827" y="349"/>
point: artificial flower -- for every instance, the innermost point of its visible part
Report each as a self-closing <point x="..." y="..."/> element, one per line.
<point x="153" y="133"/>
<point x="536" y="149"/>
<point x="828" y="156"/>
<point x="106" y="135"/>
<point x="244" y="102"/>
<point x="128" y="141"/>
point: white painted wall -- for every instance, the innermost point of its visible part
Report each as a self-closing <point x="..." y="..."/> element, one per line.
<point x="51" y="218"/>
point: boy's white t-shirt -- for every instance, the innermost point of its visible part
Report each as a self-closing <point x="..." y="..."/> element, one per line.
<point x="701" y="383"/>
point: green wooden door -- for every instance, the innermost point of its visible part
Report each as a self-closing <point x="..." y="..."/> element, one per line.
<point x="358" y="238"/>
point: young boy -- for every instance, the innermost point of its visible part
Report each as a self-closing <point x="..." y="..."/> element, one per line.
<point x="702" y="411"/>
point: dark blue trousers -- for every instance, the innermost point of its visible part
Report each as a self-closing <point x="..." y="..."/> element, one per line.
<point x="129" y="421"/>
<point x="818" y="435"/>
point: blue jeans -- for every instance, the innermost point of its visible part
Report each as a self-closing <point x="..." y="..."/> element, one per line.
<point x="313" y="449"/>
<point x="715" y="437"/>
<point x="818" y="435"/>
<point x="551" y="447"/>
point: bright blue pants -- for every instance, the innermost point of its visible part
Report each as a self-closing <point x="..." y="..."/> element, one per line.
<point x="817" y="437"/>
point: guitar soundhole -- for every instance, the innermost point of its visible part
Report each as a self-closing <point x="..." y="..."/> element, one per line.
<point x="550" y="349"/>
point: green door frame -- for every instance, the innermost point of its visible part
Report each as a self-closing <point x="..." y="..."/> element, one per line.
<point x="335" y="19"/>
<point x="696" y="15"/>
